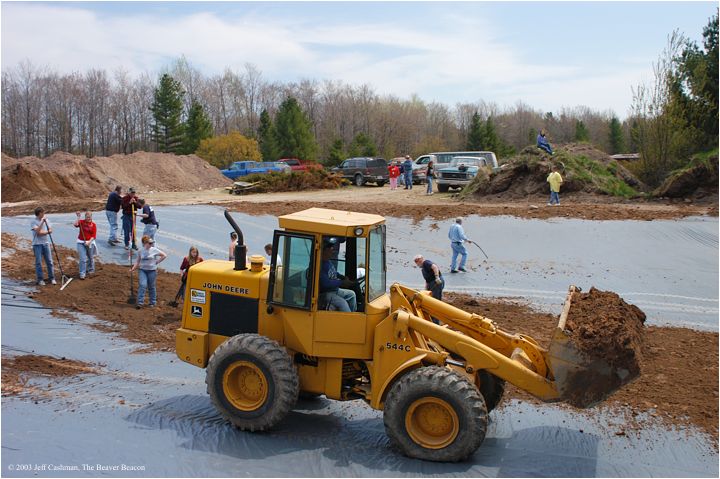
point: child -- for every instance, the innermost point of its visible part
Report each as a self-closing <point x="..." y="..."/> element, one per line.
<point x="41" y="230"/>
<point x="85" y="243"/>
<point x="191" y="259"/>
<point x="233" y="243"/>
<point x="555" y="181"/>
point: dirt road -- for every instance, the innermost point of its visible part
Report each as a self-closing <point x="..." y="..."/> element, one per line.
<point x="410" y="203"/>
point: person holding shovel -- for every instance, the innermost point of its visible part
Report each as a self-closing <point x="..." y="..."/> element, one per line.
<point x="457" y="237"/>
<point x="85" y="243"/>
<point x="148" y="259"/>
<point x="129" y="207"/>
<point x="147" y="215"/>
<point x="555" y="181"/>
<point x="41" y="230"/>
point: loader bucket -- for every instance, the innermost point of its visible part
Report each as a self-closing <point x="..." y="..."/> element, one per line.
<point x="583" y="376"/>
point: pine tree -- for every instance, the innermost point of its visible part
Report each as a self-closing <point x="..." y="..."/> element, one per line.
<point x="532" y="136"/>
<point x="362" y="145"/>
<point x="167" y="106"/>
<point x="267" y="138"/>
<point x="337" y="153"/>
<point x="476" y="135"/>
<point x="615" y="136"/>
<point x="293" y="132"/>
<point x="197" y="128"/>
<point x="581" y="131"/>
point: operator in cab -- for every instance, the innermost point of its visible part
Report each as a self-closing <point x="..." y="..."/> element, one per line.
<point x="333" y="293"/>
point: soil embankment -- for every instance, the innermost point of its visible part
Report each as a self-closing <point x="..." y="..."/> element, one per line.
<point x="63" y="175"/>
<point x="679" y="367"/>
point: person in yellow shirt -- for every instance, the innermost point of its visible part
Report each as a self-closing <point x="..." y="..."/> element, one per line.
<point x="555" y="181"/>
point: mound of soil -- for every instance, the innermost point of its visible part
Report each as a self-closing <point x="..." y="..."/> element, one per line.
<point x="607" y="332"/>
<point x="698" y="181"/>
<point x="63" y="175"/>
<point x="17" y="370"/>
<point x="526" y="174"/>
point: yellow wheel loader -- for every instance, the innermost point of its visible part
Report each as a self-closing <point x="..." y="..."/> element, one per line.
<point x="319" y="320"/>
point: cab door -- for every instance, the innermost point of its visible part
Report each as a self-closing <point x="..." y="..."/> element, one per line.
<point x="290" y="296"/>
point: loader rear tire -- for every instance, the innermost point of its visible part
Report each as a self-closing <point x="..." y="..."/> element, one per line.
<point x="492" y="389"/>
<point x="435" y="414"/>
<point x="252" y="381"/>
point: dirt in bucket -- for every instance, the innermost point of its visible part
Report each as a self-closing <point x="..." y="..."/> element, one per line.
<point x="608" y="334"/>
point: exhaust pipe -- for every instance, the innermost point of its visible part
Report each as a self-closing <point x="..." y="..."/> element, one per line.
<point x="240" y="248"/>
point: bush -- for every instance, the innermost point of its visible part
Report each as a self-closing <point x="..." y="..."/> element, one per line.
<point x="314" y="179"/>
<point x="221" y="151"/>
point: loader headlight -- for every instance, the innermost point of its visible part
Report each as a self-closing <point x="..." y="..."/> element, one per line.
<point x="358" y="231"/>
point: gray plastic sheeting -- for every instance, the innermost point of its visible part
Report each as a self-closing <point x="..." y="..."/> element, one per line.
<point x="667" y="268"/>
<point x="150" y="412"/>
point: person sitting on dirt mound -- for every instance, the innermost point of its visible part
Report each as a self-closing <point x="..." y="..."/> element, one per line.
<point x="542" y="143"/>
<point x="86" y="243"/>
<point x="148" y="218"/>
<point x="129" y="206"/>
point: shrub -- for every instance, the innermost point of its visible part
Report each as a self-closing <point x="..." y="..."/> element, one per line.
<point x="221" y="151"/>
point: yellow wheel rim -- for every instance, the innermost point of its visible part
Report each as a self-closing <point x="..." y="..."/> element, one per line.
<point x="245" y="386"/>
<point x="432" y="423"/>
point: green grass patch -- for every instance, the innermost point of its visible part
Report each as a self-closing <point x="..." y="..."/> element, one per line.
<point x="601" y="176"/>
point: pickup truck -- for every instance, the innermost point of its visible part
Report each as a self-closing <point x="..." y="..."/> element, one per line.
<point x="299" y="165"/>
<point x="460" y="171"/>
<point x="244" y="168"/>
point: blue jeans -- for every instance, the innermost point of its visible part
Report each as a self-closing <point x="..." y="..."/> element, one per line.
<point x="342" y="300"/>
<point x="127" y="221"/>
<point x="113" y="222"/>
<point x="554" y="197"/>
<point x="150" y="231"/>
<point x="86" y="262"/>
<point x="146" y="281"/>
<point x="408" y="179"/>
<point x="42" y="251"/>
<point x="429" y="184"/>
<point x="458" y="249"/>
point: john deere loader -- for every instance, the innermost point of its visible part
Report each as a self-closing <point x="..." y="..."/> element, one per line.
<point x="266" y="333"/>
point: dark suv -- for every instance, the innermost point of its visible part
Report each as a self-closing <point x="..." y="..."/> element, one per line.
<point x="363" y="170"/>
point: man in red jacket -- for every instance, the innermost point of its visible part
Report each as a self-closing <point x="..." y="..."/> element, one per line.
<point x="129" y="206"/>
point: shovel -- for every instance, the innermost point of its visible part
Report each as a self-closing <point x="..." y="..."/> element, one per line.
<point x="65" y="280"/>
<point x="483" y="251"/>
<point x="132" y="299"/>
<point x="174" y="303"/>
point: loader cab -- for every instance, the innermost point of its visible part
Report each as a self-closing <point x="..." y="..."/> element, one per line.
<point x="313" y="243"/>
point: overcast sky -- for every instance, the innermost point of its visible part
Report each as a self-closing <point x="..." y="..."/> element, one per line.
<point x="548" y="55"/>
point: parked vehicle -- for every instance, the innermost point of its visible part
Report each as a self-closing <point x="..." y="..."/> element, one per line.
<point x="277" y="166"/>
<point x="363" y="170"/>
<point x="442" y="159"/>
<point x="460" y="172"/>
<point x="244" y="168"/>
<point x="300" y="165"/>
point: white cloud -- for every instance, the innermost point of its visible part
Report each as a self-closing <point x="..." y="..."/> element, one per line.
<point x="462" y="61"/>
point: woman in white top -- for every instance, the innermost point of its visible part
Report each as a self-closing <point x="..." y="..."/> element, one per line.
<point x="147" y="262"/>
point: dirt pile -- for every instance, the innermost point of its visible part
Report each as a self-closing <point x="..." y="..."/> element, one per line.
<point x="584" y="169"/>
<point x="18" y="370"/>
<point x="608" y="333"/>
<point x="62" y="175"/>
<point x="698" y="181"/>
<point x="103" y="295"/>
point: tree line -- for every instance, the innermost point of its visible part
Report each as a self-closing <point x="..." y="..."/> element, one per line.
<point x="101" y="113"/>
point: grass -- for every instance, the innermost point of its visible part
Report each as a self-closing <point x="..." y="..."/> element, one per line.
<point x="600" y="175"/>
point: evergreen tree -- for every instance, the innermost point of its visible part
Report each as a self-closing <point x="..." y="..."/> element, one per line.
<point x="532" y="136"/>
<point x="293" y="132"/>
<point x="476" y="135"/>
<point x="615" y="136"/>
<point x="167" y="107"/>
<point x="581" y="132"/>
<point x="362" y="145"/>
<point x="337" y="153"/>
<point x="197" y="128"/>
<point x="267" y="138"/>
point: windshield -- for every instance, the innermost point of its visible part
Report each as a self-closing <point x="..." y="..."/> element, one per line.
<point x="465" y="161"/>
<point x="376" y="263"/>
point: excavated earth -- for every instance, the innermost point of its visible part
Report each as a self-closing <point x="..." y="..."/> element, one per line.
<point x="678" y="384"/>
<point x="63" y="175"/>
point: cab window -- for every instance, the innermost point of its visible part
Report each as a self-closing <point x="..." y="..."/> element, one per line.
<point x="291" y="270"/>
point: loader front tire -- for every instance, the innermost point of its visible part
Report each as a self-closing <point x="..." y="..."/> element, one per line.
<point x="435" y="414"/>
<point x="252" y="381"/>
